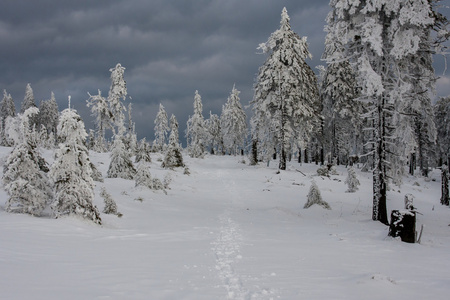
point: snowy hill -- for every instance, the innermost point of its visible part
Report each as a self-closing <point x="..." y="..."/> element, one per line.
<point x="229" y="231"/>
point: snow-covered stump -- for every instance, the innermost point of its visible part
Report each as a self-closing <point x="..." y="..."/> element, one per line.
<point x="403" y="225"/>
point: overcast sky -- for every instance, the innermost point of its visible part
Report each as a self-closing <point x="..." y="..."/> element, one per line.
<point x="169" y="50"/>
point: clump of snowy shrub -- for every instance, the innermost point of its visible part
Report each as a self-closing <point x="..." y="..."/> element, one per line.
<point x="144" y="178"/>
<point x="314" y="197"/>
<point x="352" y="181"/>
<point x="110" y="204"/>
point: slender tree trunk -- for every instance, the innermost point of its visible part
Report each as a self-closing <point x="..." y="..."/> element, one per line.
<point x="445" y="193"/>
<point x="379" y="173"/>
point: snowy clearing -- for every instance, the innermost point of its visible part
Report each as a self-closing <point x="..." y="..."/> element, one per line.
<point x="229" y="231"/>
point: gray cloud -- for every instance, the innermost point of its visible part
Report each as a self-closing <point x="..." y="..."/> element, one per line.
<point x="169" y="49"/>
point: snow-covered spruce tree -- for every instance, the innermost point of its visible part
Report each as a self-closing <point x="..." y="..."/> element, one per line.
<point x="143" y="152"/>
<point x="121" y="165"/>
<point x="174" y="127"/>
<point x="110" y="205"/>
<point x="25" y="179"/>
<point x="351" y="180"/>
<point x="117" y="94"/>
<point x="7" y="109"/>
<point x="195" y="131"/>
<point x="233" y="123"/>
<point x="341" y="111"/>
<point x="161" y="129"/>
<point x="72" y="172"/>
<point x="131" y="137"/>
<point x="442" y="121"/>
<point x="214" y="134"/>
<point x="144" y="178"/>
<point x="314" y="197"/>
<point x="380" y="39"/>
<point x="49" y="115"/>
<point x="28" y="100"/>
<point x="286" y="98"/>
<point x="103" y="116"/>
<point x="173" y="157"/>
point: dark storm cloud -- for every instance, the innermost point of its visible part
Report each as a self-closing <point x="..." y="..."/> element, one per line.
<point x="169" y="49"/>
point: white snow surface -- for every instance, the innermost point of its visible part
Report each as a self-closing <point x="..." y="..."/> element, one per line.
<point x="229" y="231"/>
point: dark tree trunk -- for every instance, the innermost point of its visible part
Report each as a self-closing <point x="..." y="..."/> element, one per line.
<point x="306" y="155"/>
<point x="322" y="157"/>
<point x="282" y="164"/>
<point x="299" y="155"/>
<point x="254" y="155"/>
<point x="444" y="188"/>
<point x="412" y="163"/>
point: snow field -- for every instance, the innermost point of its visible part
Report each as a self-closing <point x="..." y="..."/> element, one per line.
<point x="229" y="231"/>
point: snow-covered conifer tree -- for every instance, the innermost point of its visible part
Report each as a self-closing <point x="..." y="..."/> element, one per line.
<point x="117" y="94"/>
<point x="341" y="111"/>
<point x="72" y="172"/>
<point x="233" y="123"/>
<point x="28" y="100"/>
<point x="103" y="116"/>
<point x="49" y="114"/>
<point x="214" y="133"/>
<point x="442" y="120"/>
<point x="121" y="165"/>
<point x="7" y="109"/>
<point x="351" y="180"/>
<point x="173" y="157"/>
<point x="286" y="100"/>
<point x="314" y="197"/>
<point x="195" y="131"/>
<point x="381" y="39"/>
<point x="110" y="205"/>
<point x="161" y="129"/>
<point x="143" y="151"/>
<point x="25" y="177"/>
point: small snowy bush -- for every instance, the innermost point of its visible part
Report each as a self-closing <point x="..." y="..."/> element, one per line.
<point x="110" y="204"/>
<point x="314" y="197"/>
<point x="351" y="181"/>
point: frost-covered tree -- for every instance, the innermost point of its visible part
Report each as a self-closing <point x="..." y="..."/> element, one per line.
<point x="121" y="165"/>
<point x="131" y="137"/>
<point x="233" y="123"/>
<point x="28" y="100"/>
<point x="72" y="172"/>
<point x="143" y="151"/>
<point x="7" y="110"/>
<point x="144" y="178"/>
<point x="352" y="180"/>
<point x="103" y="116"/>
<point x="195" y="131"/>
<point x="49" y="114"/>
<point x="110" y="205"/>
<point x="314" y="197"/>
<point x="173" y="157"/>
<point x="341" y="111"/>
<point x="286" y="100"/>
<point x="117" y="94"/>
<point x="161" y="129"/>
<point x="442" y="120"/>
<point x="381" y="39"/>
<point x="25" y="178"/>
<point x="174" y="127"/>
<point x="214" y="133"/>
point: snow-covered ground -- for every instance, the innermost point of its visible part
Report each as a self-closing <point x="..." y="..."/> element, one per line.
<point x="229" y="231"/>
